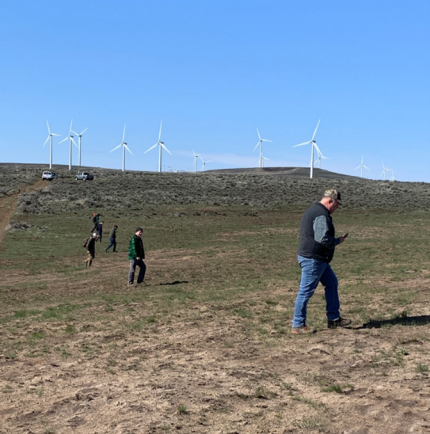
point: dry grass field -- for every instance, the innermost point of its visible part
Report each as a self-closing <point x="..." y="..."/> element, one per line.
<point x="205" y="345"/>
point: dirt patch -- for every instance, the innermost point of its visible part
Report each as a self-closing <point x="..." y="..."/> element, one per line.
<point x="206" y="367"/>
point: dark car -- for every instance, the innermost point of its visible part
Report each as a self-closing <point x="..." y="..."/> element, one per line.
<point x="84" y="176"/>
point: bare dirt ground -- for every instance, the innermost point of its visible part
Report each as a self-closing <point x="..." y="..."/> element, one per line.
<point x="204" y="371"/>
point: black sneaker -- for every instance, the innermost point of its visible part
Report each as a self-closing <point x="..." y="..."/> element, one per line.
<point x="340" y="322"/>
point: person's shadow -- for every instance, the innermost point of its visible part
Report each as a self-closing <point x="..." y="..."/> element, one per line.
<point x="400" y="320"/>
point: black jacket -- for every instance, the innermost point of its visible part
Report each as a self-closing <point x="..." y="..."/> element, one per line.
<point x="317" y="234"/>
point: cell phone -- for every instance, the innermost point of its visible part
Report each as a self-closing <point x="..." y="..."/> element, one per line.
<point x="344" y="236"/>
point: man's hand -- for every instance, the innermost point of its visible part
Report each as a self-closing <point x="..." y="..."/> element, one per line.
<point x="342" y="238"/>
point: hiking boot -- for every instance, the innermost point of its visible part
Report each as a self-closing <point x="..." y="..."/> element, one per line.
<point x="302" y="330"/>
<point x="340" y="322"/>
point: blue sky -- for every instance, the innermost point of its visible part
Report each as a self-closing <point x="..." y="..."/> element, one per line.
<point x="214" y="71"/>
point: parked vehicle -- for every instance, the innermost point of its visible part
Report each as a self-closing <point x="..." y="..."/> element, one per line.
<point x="48" y="175"/>
<point x="84" y="176"/>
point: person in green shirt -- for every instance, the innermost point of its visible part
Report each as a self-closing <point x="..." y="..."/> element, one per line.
<point x="136" y="255"/>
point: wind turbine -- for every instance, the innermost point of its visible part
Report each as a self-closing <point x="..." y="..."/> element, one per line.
<point x="80" y="136"/>
<point x="320" y="156"/>
<point x="362" y="165"/>
<point x="392" y="175"/>
<point x="264" y="158"/>
<point x="314" y="144"/>
<point x="50" y="146"/>
<point x="384" y="170"/>
<point x="260" y="142"/>
<point x="70" y="147"/>
<point x="160" y="145"/>
<point x="124" y="147"/>
<point x="196" y="156"/>
<point x="204" y="163"/>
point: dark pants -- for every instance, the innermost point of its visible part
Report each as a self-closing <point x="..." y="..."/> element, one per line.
<point x="112" y="243"/>
<point x="142" y="266"/>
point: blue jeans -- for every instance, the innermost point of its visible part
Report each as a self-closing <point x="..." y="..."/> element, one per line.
<point x="313" y="272"/>
<point x="112" y="243"/>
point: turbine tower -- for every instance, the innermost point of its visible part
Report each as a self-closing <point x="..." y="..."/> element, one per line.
<point x="314" y="144"/>
<point x="80" y="137"/>
<point x="70" y="137"/>
<point x="196" y="156"/>
<point x="160" y="144"/>
<point x="260" y="142"/>
<point x="362" y="166"/>
<point x="50" y="146"/>
<point x="124" y="147"/>
<point x="204" y="163"/>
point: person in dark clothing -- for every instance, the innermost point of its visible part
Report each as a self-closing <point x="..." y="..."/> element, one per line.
<point x="136" y="255"/>
<point x="100" y="231"/>
<point x="112" y="239"/>
<point x="316" y="250"/>
<point x="96" y="219"/>
<point x="91" y="250"/>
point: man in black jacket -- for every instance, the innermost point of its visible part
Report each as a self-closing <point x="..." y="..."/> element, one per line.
<point x="91" y="249"/>
<point x="316" y="250"/>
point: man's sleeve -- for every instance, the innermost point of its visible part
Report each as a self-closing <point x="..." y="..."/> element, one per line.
<point x="321" y="233"/>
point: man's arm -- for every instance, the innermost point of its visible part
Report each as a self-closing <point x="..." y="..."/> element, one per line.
<point x="322" y="235"/>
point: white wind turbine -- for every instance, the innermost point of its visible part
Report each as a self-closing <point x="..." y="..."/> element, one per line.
<point x="392" y="175"/>
<point x="196" y="157"/>
<point x="70" y="137"/>
<point x="80" y="137"/>
<point x="124" y="147"/>
<point x="320" y="156"/>
<point x="260" y="142"/>
<point x="362" y="166"/>
<point x="204" y="163"/>
<point x="264" y="158"/>
<point x="160" y="144"/>
<point x="384" y="170"/>
<point x="314" y="144"/>
<point x="50" y="146"/>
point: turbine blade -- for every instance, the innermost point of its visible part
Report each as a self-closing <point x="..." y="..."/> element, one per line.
<point x="126" y="147"/>
<point x="53" y="134"/>
<point x="46" y="141"/>
<point x="366" y="167"/>
<point x="301" y="144"/>
<point x="165" y="148"/>
<point x="316" y="129"/>
<point x="152" y="147"/>
<point x="74" y="132"/>
<point x="83" y="131"/>
<point x="265" y="140"/>
<point x="63" y="140"/>
<point x="116" y="147"/>
<point x="123" y="134"/>
<point x="159" y="134"/>
<point x="70" y="126"/>
<point x="256" y="146"/>
<point x="258" y="134"/>
<point x="48" y="126"/>
<point x="74" y="142"/>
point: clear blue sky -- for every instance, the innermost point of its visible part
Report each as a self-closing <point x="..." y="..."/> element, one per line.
<point x="214" y="71"/>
